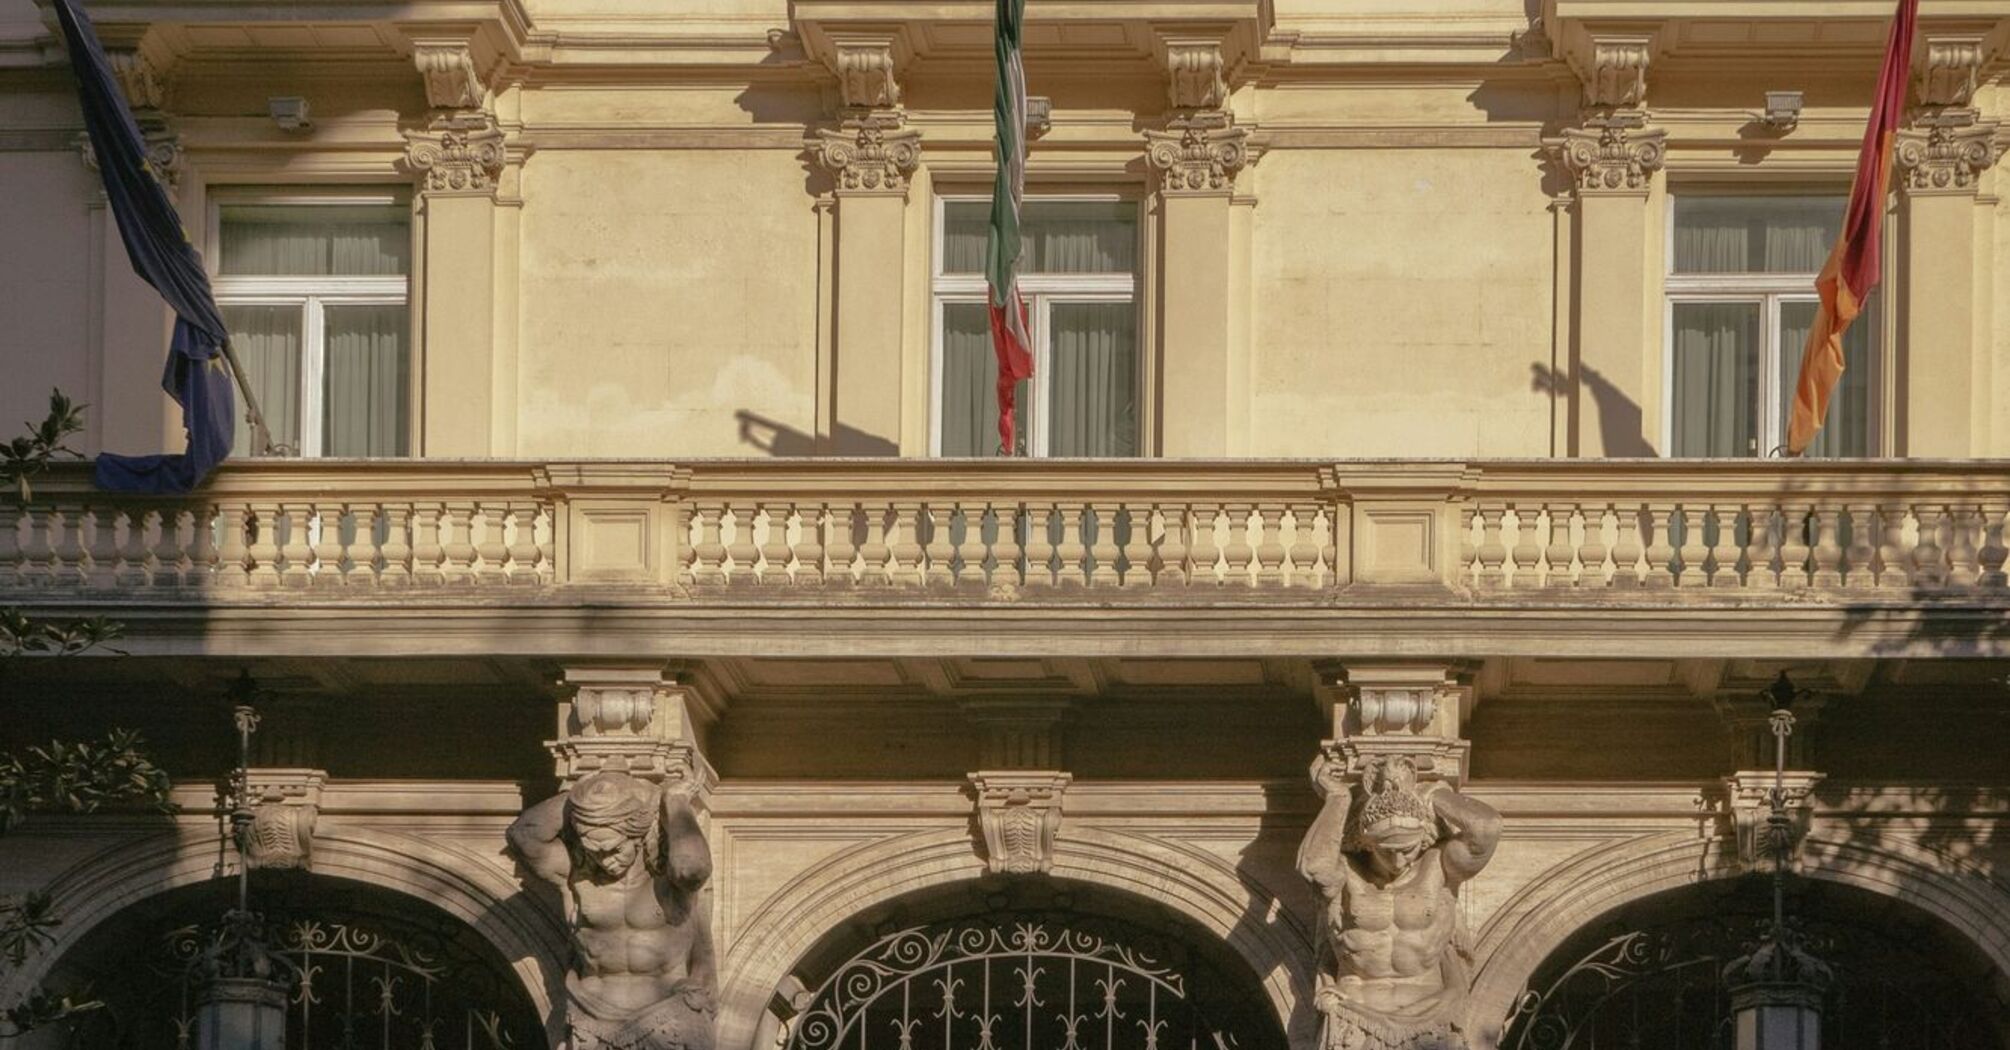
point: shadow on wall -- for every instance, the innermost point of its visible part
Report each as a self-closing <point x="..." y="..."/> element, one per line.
<point x="780" y="439"/>
<point x="1619" y="416"/>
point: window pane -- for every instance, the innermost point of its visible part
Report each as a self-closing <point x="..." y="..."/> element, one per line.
<point x="1755" y="234"/>
<point x="1093" y="380"/>
<point x="367" y="376"/>
<point x="970" y="382"/>
<point x="267" y="342"/>
<point x="1716" y="396"/>
<point x="1057" y="236"/>
<point x="1846" y="432"/>
<point x="314" y="239"/>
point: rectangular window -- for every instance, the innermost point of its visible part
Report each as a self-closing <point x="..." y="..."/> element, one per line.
<point x="315" y="290"/>
<point x="1741" y="300"/>
<point x="1079" y="274"/>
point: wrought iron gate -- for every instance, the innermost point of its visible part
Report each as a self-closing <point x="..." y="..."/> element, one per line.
<point x="1025" y="984"/>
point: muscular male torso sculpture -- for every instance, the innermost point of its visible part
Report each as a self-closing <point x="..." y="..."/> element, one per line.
<point x="629" y="860"/>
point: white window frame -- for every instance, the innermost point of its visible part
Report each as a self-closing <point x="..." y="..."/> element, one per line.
<point x="312" y="295"/>
<point x="1042" y="292"/>
<point x="1768" y="291"/>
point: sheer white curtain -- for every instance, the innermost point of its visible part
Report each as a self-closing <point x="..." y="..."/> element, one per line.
<point x="318" y="240"/>
<point x="267" y="342"/>
<point x="1846" y="432"/>
<point x="1056" y="236"/>
<point x="1716" y="374"/>
<point x="1092" y="377"/>
<point x="1754" y="234"/>
<point x="969" y="384"/>
<point x="365" y="378"/>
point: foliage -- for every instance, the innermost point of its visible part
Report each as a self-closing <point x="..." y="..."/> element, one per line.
<point x="21" y="636"/>
<point x="80" y="777"/>
<point x="30" y="454"/>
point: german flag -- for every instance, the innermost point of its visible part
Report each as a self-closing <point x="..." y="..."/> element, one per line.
<point x="1853" y="267"/>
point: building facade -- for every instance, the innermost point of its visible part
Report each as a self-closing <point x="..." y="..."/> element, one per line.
<point x="1408" y="378"/>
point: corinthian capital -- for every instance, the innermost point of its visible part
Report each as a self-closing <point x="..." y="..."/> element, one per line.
<point x="871" y="155"/>
<point x="457" y="156"/>
<point x="1946" y="152"/>
<point x="1615" y="154"/>
<point x="1198" y="157"/>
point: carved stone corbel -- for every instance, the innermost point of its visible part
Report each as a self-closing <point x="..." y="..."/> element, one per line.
<point x="1949" y="145"/>
<point x="1020" y="813"/>
<point x="1408" y="710"/>
<point x="1946" y="75"/>
<point x="631" y="720"/>
<point x="1196" y="75"/>
<point x="1749" y="793"/>
<point x="1614" y="71"/>
<point x="448" y="69"/>
<point x="139" y="76"/>
<point x="457" y="155"/>
<point x="285" y="803"/>
<point x="865" y="70"/>
<point x="871" y="154"/>
<point x="144" y="81"/>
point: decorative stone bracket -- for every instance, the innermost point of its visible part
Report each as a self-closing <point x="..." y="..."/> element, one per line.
<point x="1380" y="711"/>
<point x="1748" y="793"/>
<point x="865" y="68"/>
<point x="1019" y="812"/>
<point x="631" y="720"/>
<point x="1195" y="74"/>
<point x="284" y="805"/>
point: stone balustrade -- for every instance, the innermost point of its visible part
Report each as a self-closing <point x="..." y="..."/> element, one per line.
<point x="1154" y="530"/>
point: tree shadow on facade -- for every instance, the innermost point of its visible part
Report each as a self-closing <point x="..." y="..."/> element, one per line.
<point x="1620" y="421"/>
<point x="781" y="440"/>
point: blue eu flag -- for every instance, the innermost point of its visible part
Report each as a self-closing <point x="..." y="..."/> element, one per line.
<point x="197" y="376"/>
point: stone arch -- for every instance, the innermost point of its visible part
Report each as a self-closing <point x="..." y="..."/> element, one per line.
<point x="470" y="888"/>
<point x="1197" y="886"/>
<point x="1537" y="921"/>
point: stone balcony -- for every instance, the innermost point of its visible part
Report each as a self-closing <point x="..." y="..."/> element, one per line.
<point x="1137" y="558"/>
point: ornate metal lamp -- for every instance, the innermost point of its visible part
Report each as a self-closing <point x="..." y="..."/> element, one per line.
<point x="242" y="981"/>
<point x="1777" y="989"/>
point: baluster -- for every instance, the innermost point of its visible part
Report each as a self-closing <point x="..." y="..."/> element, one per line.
<point x="1859" y="573"/>
<point x="1894" y="569"/>
<point x="262" y="554"/>
<point x="44" y="535"/>
<point x="139" y="565"/>
<point x="941" y="554"/>
<point x="10" y="544"/>
<point x="233" y="544"/>
<point x="1962" y="570"/>
<point x="741" y="552"/>
<point x="875" y="550"/>
<point x="1270" y="546"/>
<point x="1828" y="547"/>
<point x="708" y="565"/>
<point x="1464" y="570"/>
<point x="1527" y="552"/>
<point x="364" y="546"/>
<point x="1660" y="544"/>
<point x="1993" y="554"/>
<point x="1591" y="553"/>
<point x="1794" y="547"/>
<point x="1559" y="553"/>
<point x="491" y="552"/>
<point x="1071" y="550"/>
<point x="1493" y="550"/>
<point x="427" y="550"/>
<point x="1205" y="557"/>
<point x="775" y="552"/>
<point x="843" y="550"/>
<point x="72" y="560"/>
<point x="96" y="529"/>
<point x="1105" y="550"/>
<point x="1169" y="560"/>
<point x="1626" y="545"/>
<point x="907" y="549"/>
<point x="458" y="542"/>
<point x="1928" y="567"/>
<point x="195" y="558"/>
<point x="328" y="552"/>
<point x="1007" y="571"/>
<point x="1725" y="553"/>
<point x="1137" y="545"/>
<point x="1301" y="558"/>
<point x="523" y="552"/>
<point x="295" y="555"/>
<point x="972" y="550"/>
<point x="1239" y="552"/>
<point x="1759" y="548"/>
<point x="810" y="545"/>
<point x="1694" y="550"/>
<point x="397" y="547"/>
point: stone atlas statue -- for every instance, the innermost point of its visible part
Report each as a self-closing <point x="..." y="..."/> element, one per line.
<point x="1393" y="961"/>
<point x="629" y="859"/>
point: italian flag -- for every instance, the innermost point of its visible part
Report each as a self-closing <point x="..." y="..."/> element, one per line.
<point x="1853" y="268"/>
<point x="1009" y="338"/>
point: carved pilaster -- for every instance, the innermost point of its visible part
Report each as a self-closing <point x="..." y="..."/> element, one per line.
<point x="1019" y="812"/>
<point x="448" y="69"/>
<point x="1613" y="153"/>
<point x="871" y="154"/>
<point x="285" y="803"/>
<point x="1198" y="156"/>
<point x="631" y="720"/>
<point x="1407" y="710"/>
<point x="457" y="155"/>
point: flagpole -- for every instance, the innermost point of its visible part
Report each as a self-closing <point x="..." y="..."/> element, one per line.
<point x="261" y="435"/>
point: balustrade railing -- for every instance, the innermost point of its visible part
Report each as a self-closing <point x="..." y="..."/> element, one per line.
<point x="988" y="530"/>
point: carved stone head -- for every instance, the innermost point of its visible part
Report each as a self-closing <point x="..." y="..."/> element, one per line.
<point x="1395" y="824"/>
<point x="611" y="823"/>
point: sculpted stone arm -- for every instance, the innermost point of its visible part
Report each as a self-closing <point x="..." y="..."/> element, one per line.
<point x="536" y="839"/>
<point x="687" y="856"/>
<point x="1475" y="828"/>
<point x="1319" y="858"/>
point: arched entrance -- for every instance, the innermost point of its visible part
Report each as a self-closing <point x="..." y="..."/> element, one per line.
<point x="374" y="969"/>
<point x="1648" y="976"/>
<point x="1042" y="966"/>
